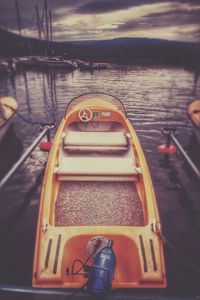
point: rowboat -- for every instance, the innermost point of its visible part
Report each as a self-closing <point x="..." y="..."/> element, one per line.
<point x="98" y="207"/>
<point x="92" y="67"/>
<point x="8" y="107"/>
<point x="194" y="114"/>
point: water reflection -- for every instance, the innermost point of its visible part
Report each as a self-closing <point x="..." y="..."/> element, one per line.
<point x="13" y="84"/>
<point x="11" y="222"/>
<point x="11" y="148"/>
<point x="27" y="93"/>
<point x="193" y="149"/>
<point x="196" y="79"/>
<point x="182" y="182"/>
<point x="53" y="109"/>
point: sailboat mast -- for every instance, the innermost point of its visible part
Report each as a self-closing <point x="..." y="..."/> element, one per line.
<point x="47" y="24"/>
<point x="38" y="21"/>
<point x="47" y="19"/>
<point x="18" y="17"/>
<point x="51" y="36"/>
<point x="50" y="25"/>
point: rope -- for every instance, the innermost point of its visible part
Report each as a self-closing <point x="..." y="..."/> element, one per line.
<point x="33" y="19"/>
<point x="24" y="119"/>
<point x="178" y="252"/>
<point x="31" y="122"/>
<point x="76" y="291"/>
<point x="77" y="272"/>
<point x="181" y="255"/>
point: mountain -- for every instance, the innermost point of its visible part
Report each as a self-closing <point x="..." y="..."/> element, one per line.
<point x="15" y="45"/>
<point x="138" y="50"/>
<point x="144" y="49"/>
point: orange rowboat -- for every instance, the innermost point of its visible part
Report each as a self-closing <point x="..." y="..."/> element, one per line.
<point x="194" y="114"/>
<point x="97" y="188"/>
<point x="8" y="107"/>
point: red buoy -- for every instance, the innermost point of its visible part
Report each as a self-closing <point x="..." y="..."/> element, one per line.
<point x="45" y="145"/>
<point x="167" y="149"/>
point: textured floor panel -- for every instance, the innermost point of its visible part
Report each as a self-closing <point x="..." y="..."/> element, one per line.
<point x="98" y="203"/>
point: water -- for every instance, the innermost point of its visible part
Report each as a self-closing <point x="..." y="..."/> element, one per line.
<point x="154" y="97"/>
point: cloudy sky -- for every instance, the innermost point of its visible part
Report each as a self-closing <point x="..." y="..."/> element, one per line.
<point x="107" y="19"/>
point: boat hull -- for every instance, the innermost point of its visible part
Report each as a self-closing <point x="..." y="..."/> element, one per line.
<point x="45" y="63"/>
<point x="78" y="204"/>
<point x="194" y="115"/>
<point x="8" y="107"/>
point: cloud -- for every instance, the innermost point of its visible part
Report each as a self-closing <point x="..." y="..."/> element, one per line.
<point x="175" y="18"/>
<point x="104" y="6"/>
<point x="183" y="16"/>
<point x="86" y="19"/>
<point x="195" y="34"/>
<point x="168" y="18"/>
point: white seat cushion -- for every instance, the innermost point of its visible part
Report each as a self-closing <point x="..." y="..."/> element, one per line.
<point x="95" y="141"/>
<point x="98" y="166"/>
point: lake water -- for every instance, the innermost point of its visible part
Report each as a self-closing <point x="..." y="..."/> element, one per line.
<point x="154" y="97"/>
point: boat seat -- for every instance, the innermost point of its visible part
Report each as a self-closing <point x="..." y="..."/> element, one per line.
<point x="95" y="141"/>
<point x="89" y="168"/>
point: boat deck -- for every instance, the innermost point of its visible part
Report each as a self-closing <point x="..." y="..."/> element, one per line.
<point x="98" y="203"/>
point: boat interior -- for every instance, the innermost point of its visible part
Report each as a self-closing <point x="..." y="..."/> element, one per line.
<point x="98" y="155"/>
<point x="96" y="159"/>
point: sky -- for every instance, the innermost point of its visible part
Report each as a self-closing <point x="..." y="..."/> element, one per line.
<point x="107" y="19"/>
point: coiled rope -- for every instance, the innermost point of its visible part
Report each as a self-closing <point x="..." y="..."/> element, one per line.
<point x="25" y="119"/>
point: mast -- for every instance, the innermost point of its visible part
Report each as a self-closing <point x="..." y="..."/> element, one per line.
<point x="50" y="25"/>
<point x="38" y="21"/>
<point x="51" y="34"/>
<point x="18" y="17"/>
<point x="47" y="24"/>
<point x="47" y="19"/>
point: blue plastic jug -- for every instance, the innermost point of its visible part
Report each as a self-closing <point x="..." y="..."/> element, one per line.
<point x="102" y="272"/>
